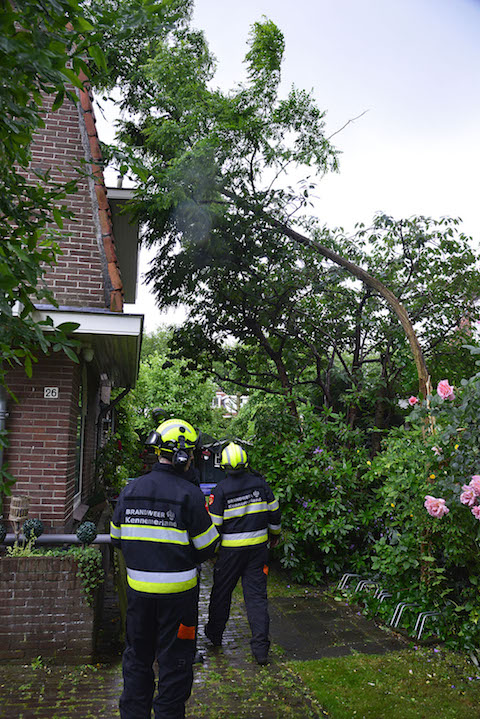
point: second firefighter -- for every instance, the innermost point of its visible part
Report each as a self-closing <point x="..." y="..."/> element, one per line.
<point x="247" y="516"/>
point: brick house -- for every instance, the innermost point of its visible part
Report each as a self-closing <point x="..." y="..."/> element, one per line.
<point x="57" y="425"/>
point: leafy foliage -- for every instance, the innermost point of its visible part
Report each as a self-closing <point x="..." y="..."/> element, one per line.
<point x="197" y="153"/>
<point x="319" y="474"/>
<point x="42" y="51"/>
<point x="434" y="561"/>
<point x="121" y="456"/>
<point x="166" y="382"/>
<point x="402" y="472"/>
<point x="90" y="570"/>
<point x="212" y="171"/>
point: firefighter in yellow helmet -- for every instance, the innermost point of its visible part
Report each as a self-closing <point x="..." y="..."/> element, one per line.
<point x="164" y="531"/>
<point x="247" y="515"/>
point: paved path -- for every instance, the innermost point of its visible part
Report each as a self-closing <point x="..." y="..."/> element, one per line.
<point x="318" y="626"/>
<point x="228" y="685"/>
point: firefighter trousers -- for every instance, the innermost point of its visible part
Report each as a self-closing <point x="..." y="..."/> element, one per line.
<point x="158" y="627"/>
<point x="249" y="564"/>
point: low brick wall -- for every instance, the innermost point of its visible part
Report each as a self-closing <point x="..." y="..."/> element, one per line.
<point x="43" y="611"/>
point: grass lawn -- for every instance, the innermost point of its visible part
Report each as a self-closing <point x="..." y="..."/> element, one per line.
<point x="421" y="684"/>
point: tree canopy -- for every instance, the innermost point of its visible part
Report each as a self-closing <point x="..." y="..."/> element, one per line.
<point x="213" y="169"/>
<point x="165" y="382"/>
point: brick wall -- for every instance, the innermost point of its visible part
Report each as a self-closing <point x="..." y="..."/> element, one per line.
<point x="77" y="279"/>
<point x="43" y="439"/>
<point x="43" y="611"/>
<point x="42" y="435"/>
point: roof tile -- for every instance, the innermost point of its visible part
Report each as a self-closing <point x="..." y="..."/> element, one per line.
<point x="116" y="295"/>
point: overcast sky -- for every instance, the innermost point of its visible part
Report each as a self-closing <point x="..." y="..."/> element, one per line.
<point x="411" y="64"/>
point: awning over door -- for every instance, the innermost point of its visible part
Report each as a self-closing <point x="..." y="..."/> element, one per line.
<point x="112" y="340"/>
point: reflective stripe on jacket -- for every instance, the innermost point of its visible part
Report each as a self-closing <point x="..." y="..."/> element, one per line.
<point x="244" y="510"/>
<point x="163" y="529"/>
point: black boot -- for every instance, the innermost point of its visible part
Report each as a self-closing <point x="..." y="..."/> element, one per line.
<point x="216" y="641"/>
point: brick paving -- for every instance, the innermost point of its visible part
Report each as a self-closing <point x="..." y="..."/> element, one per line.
<point x="227" y="685"/>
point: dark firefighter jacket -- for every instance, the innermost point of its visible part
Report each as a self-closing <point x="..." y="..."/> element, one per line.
<point x="163" y="529"/>
<point x="244" y="510"/>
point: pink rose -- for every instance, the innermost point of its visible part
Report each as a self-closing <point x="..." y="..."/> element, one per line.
<point x="445" y="390"/>
<point x="468" y="495"/>
<point x="476" y="512"/>
<point x="412" y="401"/>
<point x="436" y="507"/>
<point x="475" y="484"/>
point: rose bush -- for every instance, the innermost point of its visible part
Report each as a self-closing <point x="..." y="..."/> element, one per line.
<point x="430" y="544"/>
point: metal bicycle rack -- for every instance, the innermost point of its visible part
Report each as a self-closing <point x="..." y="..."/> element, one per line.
<point x="345" y="579"/>
<point x="399" y="609"/>
<point x="382" y="594"/>
<point x="364" y="583"/>
<point x="421" y="619"/>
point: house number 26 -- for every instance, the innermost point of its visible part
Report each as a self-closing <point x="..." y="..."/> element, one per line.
<point x="50" y="392"/>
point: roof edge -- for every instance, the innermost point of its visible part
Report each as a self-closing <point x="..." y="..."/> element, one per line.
<point x="112" y="277"/>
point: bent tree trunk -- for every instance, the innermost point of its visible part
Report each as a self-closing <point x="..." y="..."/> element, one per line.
<point x="361" y="274"/>
<point x="395" y="305"/>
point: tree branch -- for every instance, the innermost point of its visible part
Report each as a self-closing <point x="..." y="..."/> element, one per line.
<point x="353" y="119"/>
<point x="361" y="274"/>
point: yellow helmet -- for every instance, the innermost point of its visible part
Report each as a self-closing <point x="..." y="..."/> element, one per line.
<point x="173" y="434"/>
<point x="234" y="458"/>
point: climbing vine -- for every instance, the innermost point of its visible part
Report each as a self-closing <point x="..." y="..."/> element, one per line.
<point x="90" y="570"/>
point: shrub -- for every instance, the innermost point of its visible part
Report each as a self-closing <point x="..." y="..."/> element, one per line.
<point x="431" y="537"/>
<point x="319" y="473"/>
<point x="402" y="474"/>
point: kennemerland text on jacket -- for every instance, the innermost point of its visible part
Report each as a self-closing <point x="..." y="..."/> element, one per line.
<point x="163" y="529"/>
<point x="244" y="510"/>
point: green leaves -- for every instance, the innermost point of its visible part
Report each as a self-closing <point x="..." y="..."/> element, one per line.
<point x="165" y="381"/>
<point x="57" y="215"/>
<point x="319" y="476"/>
<point x="39" y="54"/>
<point x="265" y="56"/>
<point x="97" y="55"/>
